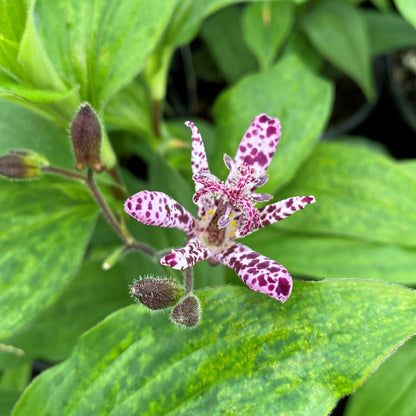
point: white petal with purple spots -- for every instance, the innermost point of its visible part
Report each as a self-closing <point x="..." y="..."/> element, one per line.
<point x="259" y="143"/>
<point x="258" y="272"/>
<point x="157" y="208"/>
<point x="187" y="256"/>
<point x="281" y="210"/>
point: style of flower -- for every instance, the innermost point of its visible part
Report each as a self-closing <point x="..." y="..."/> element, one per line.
<point x="226" y="211"/>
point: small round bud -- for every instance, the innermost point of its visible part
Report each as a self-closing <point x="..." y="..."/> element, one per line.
<point x="86" y="139"/>
<point x="21" y="164"/>
<point x="187" y="313"/>
<point x="157" y="294"/>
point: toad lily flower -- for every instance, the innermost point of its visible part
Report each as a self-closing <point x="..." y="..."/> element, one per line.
<point x="226" y="211"/>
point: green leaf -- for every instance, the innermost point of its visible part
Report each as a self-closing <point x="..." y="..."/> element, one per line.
<point x="409" y="166"/>
<point x="289" y="91"/>
<point x="23" y="129"/>
<point x="226" y="44"/>
<point x="36" y="66"/>
<point x="250" y="354"/>
<point x="391" y="389"/>
<point x="187" y="18"/>
<point x="43" y="234"/>
<point x="13" y="16"/>
<point x="90" y="297"/>
<point x="101" y="45"/>
<point x="266" y="26"/>
<point x="337" y="30"/>
<point x="129" y="109"/>
<point x="17" y="378"/>
<point x="307" y="254"/>
<point x="7" y="400"/>
<point x="408" y="10"/>
<point x="359" y="193"/>
<point x="299" y="45"/>
<point x="34" y="94"/>
<point x="12" y="19"/>
<point x="388" y="32"/>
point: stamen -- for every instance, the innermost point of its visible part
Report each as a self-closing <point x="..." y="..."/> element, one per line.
<point x="261" y="197"/>
<point x="261" y="181"/>
<point x="228" y="161"/>
<point x="225" y="219"/>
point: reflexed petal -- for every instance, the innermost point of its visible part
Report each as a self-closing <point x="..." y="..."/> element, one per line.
<point x="258" y="272"/>
<point x="199" y="158"/>
<point x="187" y="256"/>
<point x="199" y="164"/>
<point x="281" y="210"/>
<point x="258" y="145"/>
<point x="157" y="208"/>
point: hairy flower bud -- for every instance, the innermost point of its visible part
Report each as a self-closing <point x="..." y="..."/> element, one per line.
<point x="86" y="139"/>
<point x="157" y="293"/>
<point x="21" y="164"/>
<point x="187" y="313"/>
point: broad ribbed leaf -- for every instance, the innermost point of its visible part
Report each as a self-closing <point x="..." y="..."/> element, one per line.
<point x="408" y="9"/>
<point x="23" y="129"/>
<point x="391" y="390"/>
<point x="44" y="229"/>
<point x="359" y="194"/>
<point x="409" y="166"/>
<point x="266" y="26"/>
<point x="388" y="32"/>
<point x="307" y="255"/>
<point x="337" y="30"/>
<point x="226" y="44"/>
<point x="289" y="91"/>
<point x="101" y="45"/>
<point x="129" y="109"/>
<point x="33" y="94"/>
<point x="90" y="297"/>
<point x="188" y="16"/>
<point x="13" y="16"/>
<point x="250" y="354"/>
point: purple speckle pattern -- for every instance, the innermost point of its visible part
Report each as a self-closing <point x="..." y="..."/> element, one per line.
<point x="258" y="145"/>
<point x="199" y="163"/>
<point x="185" y="257"/>
<point x="281" y="210"/>
<point x="157" y="208"/>
<point x="226" y="211"/>
<point x="258" y="272"/>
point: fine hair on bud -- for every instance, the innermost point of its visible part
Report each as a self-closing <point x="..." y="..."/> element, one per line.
<point x="86" y="139"/>
<point x="156" y="293"/>
<point x="187" y="313"/>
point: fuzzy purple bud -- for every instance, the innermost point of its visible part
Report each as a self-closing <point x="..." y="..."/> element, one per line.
<point x="155" y="293"/>
<point x="86" y="139"/>
<point x="187" y="313"/>
<point x="21" y="164"/>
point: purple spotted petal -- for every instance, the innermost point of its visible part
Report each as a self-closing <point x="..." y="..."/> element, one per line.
<point x="199" y="164"/>
<point x="199" y="158"/>
<point x="187" y="256"/>
<point x="258" y="272"/>
<point x="157" y="208"/>
<point x="280" y="210"/>
<point x="258" y="145"/>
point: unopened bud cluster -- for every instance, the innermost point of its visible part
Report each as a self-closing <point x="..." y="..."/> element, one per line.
<point x="86" y="139"/>
<point x="158" y="294"/>
<point x="21" y="164"/>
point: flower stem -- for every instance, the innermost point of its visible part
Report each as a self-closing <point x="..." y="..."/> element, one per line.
<point x="188" y="280"/>
<point x="104" y="207"/>
<point x="64" y="172"/>
<point x="129" y="242"/>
